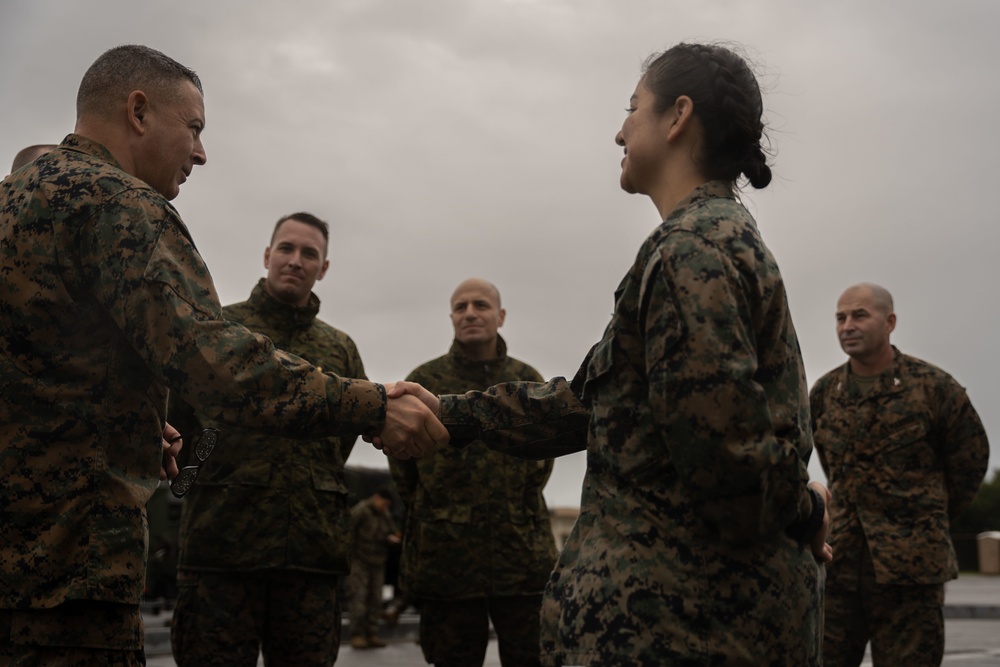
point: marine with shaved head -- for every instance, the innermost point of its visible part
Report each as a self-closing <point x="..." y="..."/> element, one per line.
<point x="904" y="452"/>
<point x="477" y="543"/>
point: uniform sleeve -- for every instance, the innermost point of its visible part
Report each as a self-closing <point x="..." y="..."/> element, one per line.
<point x="529" y="420"/>
<point x="146" y="273"/>
<point x="965" y="448"/>
<point x="707" y="395"/>
<point x="355" y="369"/>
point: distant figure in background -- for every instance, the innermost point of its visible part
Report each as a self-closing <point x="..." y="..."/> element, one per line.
<point x="477" y="544"/>
<point x="373" y="531"/>
<point x="266" y="580"/>
<point x="29" y="154"/>
<point x="905" y="452"/>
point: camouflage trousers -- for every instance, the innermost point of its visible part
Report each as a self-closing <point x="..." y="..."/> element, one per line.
<point x="904" y="623"/>
<point x="454" y="633"/>
<point x="293" y="618"/>
<point x="364" y="586"/>
<point x="81" y="633"/>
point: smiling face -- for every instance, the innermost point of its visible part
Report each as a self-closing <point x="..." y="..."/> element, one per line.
<point x="171" y="145"/>
<point x="864" y="326"/>
<point x="295" y="260"/>
<point x="476" y="315"/>
<point x="644" y="137"/>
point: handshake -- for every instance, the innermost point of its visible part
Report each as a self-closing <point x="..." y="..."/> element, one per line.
<point x="412" y="427"/>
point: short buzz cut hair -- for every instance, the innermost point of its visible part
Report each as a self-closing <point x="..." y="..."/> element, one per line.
<point x="123" y="69"/>
<point x="305" y="219"/>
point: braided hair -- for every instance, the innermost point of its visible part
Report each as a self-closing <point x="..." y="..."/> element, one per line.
<point x="727" y="101"/>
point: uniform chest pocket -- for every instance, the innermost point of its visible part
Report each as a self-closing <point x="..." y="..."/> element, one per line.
<point x="908" y="450"/>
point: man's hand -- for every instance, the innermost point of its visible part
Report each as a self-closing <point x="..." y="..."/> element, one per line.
<point x="172" y="445"/>
<point x="411" y="429"/>
<point x="397" y="389"/>
<point x="821" y="549"/>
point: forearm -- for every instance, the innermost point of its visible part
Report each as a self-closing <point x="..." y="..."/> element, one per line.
<point x="527" y="420"/>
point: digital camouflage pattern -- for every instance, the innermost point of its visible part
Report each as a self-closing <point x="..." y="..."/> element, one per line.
<point x="694" y="414"/>
<point x="104" y="303"/>
<point x="902" y="460"/>
<point x="300" y="519"/>
<point x="370" y="531"/>
<point x="905" y="623"/>
<point x="221" y="620"/>
<point x="473" y="510"/>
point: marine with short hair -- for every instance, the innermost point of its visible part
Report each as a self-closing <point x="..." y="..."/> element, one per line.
<point x="474" y="511"/>
<point x="264" y="534"/>
<point x="905" y="453"/>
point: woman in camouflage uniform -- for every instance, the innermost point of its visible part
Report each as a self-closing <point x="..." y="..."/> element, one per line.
<point x="699" y="534"/>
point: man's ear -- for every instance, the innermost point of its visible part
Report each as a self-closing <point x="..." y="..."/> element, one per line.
<point x="137" y="108"/>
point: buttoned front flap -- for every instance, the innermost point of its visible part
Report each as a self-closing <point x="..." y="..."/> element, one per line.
<point x="907" y="457"/>
<point x="325" y="479"/>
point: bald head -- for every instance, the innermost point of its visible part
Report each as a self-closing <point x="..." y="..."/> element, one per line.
<point x="477" y="284"/>
<point x="476" y="315"/>
<point x="30" y="154"/>
<point x="864" y="323"/>
<point x="880" y="297"/>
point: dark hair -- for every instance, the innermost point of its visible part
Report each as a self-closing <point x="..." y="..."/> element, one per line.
<point x="384" y="492"/>
<point x="726" y="100"/>
<point x="119" y="71"/>
<point x="305" y="219"/>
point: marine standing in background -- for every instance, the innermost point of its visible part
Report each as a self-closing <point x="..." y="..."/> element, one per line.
<point x="372" y="533"/>
<point x="905" y="453"/>
<point x="105" y="304"/>
<point x="699" y="531"/>
<point x="264" y="536"/>
<point x="478" y="543"/>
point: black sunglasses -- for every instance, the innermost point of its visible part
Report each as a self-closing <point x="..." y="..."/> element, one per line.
<point x="204" y="443"/>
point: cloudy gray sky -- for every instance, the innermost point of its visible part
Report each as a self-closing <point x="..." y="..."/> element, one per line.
<point x="449" y="138"/>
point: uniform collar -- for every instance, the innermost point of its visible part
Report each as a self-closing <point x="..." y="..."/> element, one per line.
<point x="81" y="144"/>
<point x="268" y="305"/>
<point x="458" y="354"/>
<point x="890" y="381"/>
<point x="704" y="192"/>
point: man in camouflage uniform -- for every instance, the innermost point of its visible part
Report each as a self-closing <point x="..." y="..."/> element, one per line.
<point x="905" y="452"/>
<point x="478" y="543"/>
<point x="105" y="302"/>
<point x="699" y="532"/>
<point x="268" y="578"/>
<point x="372" y="532"/>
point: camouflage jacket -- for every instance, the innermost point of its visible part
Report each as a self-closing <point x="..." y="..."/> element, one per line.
<point x="295" y="487"/>
<point x="902" y="461"/>
<point x="369" y="532"/>
<point x="104" y="303"/>
<point x="473" y="510"/>
<point x="694" y="413"/>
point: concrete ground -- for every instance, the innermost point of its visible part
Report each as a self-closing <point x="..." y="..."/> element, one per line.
<point x="972" y="629"/>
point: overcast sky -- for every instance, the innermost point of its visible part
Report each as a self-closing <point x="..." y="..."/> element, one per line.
<point x="456" y="138"/>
